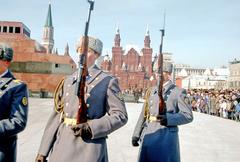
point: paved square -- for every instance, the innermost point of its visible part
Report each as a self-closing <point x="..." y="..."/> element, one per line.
<point x="206" y="139"/>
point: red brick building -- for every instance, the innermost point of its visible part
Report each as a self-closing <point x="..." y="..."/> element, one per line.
<point x="132" y="66"/>
<point x="34" y="63"/>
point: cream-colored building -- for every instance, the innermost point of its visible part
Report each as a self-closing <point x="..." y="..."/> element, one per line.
<point x="183" y="70"/>
<point x="208" y="79"/>
<point x="234" y="77"/>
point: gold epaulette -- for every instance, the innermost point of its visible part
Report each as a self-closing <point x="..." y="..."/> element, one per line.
<point x="58" y="97"/>
<point x="17" y="81"/>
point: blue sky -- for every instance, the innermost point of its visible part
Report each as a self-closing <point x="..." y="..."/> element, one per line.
<point x="201" y="33"/>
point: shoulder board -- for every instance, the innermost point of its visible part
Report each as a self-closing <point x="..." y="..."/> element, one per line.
<point x="107" y="74"/>
<point x="17" y="81"/>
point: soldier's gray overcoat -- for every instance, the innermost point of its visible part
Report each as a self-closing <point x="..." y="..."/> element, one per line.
<point x="106" y="113"/>
<point x="13" y="115"/>
<point x="160" y="143"/>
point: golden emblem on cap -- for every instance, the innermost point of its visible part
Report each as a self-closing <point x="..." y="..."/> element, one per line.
<point x="24" y="101"/>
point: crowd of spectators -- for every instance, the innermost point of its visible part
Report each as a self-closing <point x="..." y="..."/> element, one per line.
<point x="222" y="103"/>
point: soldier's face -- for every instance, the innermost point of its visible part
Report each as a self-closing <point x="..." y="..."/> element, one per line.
<point x="3" y="66"/>
<point x="91" y="57"/>
<point x="166" y="76"/>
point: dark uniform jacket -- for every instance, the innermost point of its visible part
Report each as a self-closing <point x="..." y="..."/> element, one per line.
<point x="13" y="114"/>
<point x="160" y="143"/>
<point x="106" y="113"/>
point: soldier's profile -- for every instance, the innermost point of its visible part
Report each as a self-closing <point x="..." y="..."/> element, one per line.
<point x="13" y="106"/>
<point x="66" y="140"/>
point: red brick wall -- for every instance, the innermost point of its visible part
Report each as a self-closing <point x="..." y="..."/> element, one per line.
<point x="37" y="82"/>
<point x="24" y="50"/>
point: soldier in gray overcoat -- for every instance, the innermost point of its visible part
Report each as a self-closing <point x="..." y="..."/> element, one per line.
<point x="64" y="140"/>
<point x="13" y="107"/>
<point x="158" y="134"/>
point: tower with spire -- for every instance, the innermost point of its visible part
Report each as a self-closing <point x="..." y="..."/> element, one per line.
<point x="147" y="40"/>
<point x="117" y="52"/>
<point x="117" y="39"/>
<point x="66" y="53"/>
<point x="146" y="59"/>
<point x="48" y="32"/>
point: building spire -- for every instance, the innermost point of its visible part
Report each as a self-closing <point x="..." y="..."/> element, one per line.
<point x="48" y="32"/>
<point x="147" y="40"/>
<point x="66" y="53"/>
<point x="117" y="29"/>
<point x="117" y="39"/>
<point x="147" y="31"/>
<point x="56" y="51"/>
<point x="49" y="16"/>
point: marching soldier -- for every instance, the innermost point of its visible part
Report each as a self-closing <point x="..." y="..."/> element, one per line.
<point x="158" y="134"/>
<point x="13" y="107"/>
<point x="64" y="140"/>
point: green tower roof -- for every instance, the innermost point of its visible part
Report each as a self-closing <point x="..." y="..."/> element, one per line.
<point x="49" y="17"/>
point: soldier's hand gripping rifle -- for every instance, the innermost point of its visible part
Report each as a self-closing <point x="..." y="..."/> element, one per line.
<point x="82" y="70"/>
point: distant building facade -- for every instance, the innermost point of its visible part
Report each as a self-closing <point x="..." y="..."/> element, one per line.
<point x="208" y="79"/>
<point x="132" y="66"/>
<point x="184" y="70"/>
<point x="36" y="64"/>
<point x="135" y="68"/>
<point x="234" y="77"/>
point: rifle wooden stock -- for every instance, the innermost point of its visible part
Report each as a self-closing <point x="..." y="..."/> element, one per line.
<point x="80" y="90"/>
<point x="83" y="71"/>
<point x="160" y="85"/>
<point x="162" y="109"/>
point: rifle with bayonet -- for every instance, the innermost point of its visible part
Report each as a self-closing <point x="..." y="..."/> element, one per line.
<point x="82" y="70"/>
<point x="162" y="109"/>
